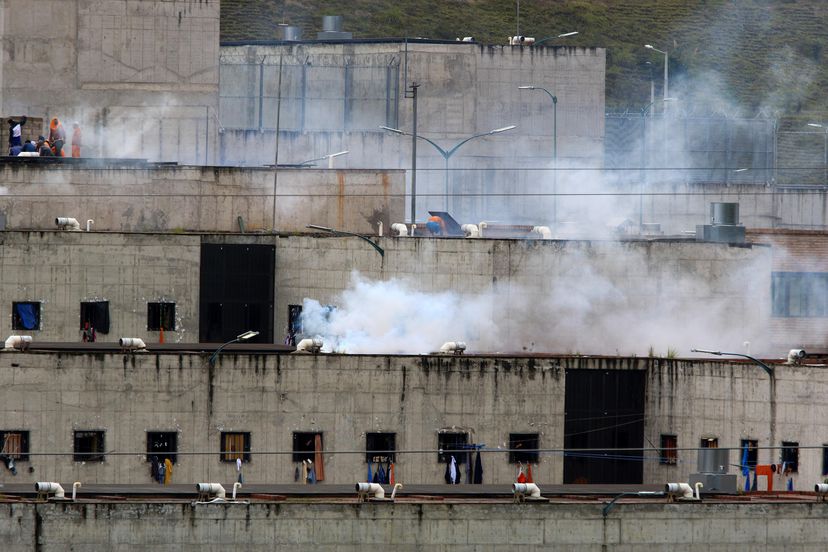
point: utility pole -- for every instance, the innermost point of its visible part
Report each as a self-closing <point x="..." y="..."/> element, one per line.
<point x="412" y="93"/>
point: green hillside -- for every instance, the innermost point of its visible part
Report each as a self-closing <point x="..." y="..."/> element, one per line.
<point x="735" y="56"/>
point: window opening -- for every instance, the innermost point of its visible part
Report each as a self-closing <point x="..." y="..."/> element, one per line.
<point x="162" y="445"/>
<point x="89" y="446"/>
<point x="523" y="447"/>
<point x="234" y="445"/>
<point x="26" y="315"/>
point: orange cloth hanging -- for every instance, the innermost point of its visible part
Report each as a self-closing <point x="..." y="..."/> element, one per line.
<point x="317" y="457"/>
<point x="529" y="474"/>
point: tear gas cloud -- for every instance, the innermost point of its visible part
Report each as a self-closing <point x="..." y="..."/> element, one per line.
<point x="589" y="306"/>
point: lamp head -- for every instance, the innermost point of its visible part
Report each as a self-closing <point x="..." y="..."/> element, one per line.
<point x="394" y="130"/>
<point x="526" y="87"/>
<point x="504" y="129"/>
<point x="247" y="335"/>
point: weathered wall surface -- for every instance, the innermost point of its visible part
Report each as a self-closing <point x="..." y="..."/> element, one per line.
<point x="334" y="97"/>
<point x="344" y="396"/>
<point x="63" y="270"/>
<point x="272" y="396"/>
<point x="735" y="401"/>
<point x="540" y="293"/>
<point x="799" y="251"/>
<point x="566" y="527"/>
<point x="174" y="198"/>
<point x="140" y="77"/>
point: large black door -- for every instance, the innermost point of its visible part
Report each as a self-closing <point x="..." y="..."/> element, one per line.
<point x="236" y="292"/>
<point x="604" y="412"/>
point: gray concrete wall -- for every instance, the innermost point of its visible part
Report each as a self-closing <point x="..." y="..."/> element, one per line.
<point x="466" y="89"/>
<point x="409" y="527"/>
<point x="344" y="396"/>
<point x="62" y="270"/>
<point x="179" y="198"/>
<point x="151" y="197"/>
<point x="140" y="77"/>
<point x="271" y="396"/>
<point x="544" y="296"/>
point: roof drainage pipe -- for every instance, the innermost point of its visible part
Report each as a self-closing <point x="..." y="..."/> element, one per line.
<point x="374" y="489"/>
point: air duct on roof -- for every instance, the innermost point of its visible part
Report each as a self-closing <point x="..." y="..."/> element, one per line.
<point x="332" y="29"/>
<point x="724" y="225"/>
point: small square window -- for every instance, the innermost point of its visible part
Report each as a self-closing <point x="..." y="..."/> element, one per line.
<point x="26" y="315"/>
<point x="669" y="454"/>
<point x="161" y="316"/>
<point x="824" y="459"/>
<point x="305" y="445"/>
<point x="790" y="456"/>
<point x="752" y="452"/>
<point x="234" y="445"/>
<point x="380" y="445"/>
<point x="709" y="442"/>
<point x="523" y="447"/>
<point x="162" y="445"/>
<point x="89" y="446"/>
<point x="96" y="315"/>
<point x="451" y="444"/>
<point x="295" y="319"/>
<point x="15" y="445"/>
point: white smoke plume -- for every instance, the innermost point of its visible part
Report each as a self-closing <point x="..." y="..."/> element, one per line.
<point x="625" y="302"/>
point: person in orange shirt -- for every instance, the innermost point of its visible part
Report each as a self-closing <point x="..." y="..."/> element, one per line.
<point x="76" y="139"/>
<point x="57" y="137"/>
<point x="436" y="226"/>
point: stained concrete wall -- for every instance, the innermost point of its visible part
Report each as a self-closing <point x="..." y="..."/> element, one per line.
<point x="409" y="527"/>
<point x="344" y="396"/>
<point x="140" y="77"/>
<point x="540" y="295"/>
<point x="148" y="197"/>
<point x="158" y="197"/>
<point x="271" y="396"/>
<point x="335" y="96"/>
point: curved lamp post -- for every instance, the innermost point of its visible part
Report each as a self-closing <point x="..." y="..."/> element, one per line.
<point x="666" y="75"/>
<point x="379" y="249"/>
<point x="241" y="337"/>
<point x="554" y="99"/>
<point x="447" y="153"/>
<point x="553" y="37"/>
<point x="329" y="157"/>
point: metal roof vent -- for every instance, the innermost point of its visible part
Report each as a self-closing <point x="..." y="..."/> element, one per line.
<point x="289" y="33"/>
<point x="724" y="225"/>
<point x="332" y="29"/>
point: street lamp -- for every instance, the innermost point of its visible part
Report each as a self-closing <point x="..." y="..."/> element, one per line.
<point x="554" y="148"/>
<point x="241" y="337"/>
<point x="771" y="381"/>
<point x="329" y="157"/>
<point x="824" y="148"/>
<point x="562" y="35"/>
<point x="666" y="77"/>
<point x="447" y="153"/>
<point x="379" y="249"/>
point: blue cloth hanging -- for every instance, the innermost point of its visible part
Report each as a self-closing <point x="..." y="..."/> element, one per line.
<point x="745" y="468"/>
<point x="26" y="312"/>
<point x="790" y="483"/>
<point x="380" y="475"/>
<point x="370" y="476"/>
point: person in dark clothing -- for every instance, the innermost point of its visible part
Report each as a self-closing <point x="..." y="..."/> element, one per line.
<point x="16" y="132"/>
<point x="44" y="147"/>
<point x="29" y="146"/>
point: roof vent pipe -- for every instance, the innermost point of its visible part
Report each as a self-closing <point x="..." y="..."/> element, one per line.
<point x="365" y="489"/>
<point x="522" y="490"/>
<point x="332" y="23"/>
<point x="20" y="342"/>
<point x="47" y="487"/>
<point x="309" y="345"/>
<point x="724" y="214"/>
<point x="75" y="486"/>
<point x="544" y="231"/>
<point x="67" y="223"/>
<point x="211" y="489"/>
<point x="470" y="230"/>
<point x="400" y="228"/>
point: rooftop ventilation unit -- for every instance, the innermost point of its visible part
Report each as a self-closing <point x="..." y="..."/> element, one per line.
<point x="724" y="225"/>
<point x="289" y="33"/>
<point x="713" y="464"/>
<point x="332" y="29"/>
